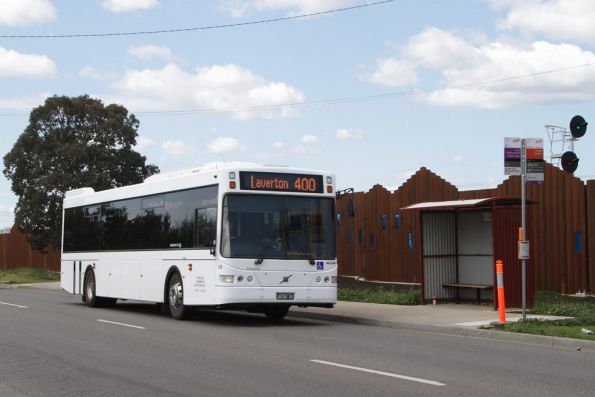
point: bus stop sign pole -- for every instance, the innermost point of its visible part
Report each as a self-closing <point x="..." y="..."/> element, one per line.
<point x="523" y="229"/>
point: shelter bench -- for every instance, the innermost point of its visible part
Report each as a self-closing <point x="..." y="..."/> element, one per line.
<point x="477" y="287"/>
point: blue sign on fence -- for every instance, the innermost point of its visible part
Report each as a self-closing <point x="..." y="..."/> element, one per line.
<point x="578" y="242"/>
<point x="410" y="240"/>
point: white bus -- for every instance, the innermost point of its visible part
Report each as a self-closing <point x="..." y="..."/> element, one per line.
<point x="237" y="236"/>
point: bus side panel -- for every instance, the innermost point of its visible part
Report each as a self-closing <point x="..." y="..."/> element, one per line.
<point x="72" y="273"/>
<point x="199" y="283"/>
<point x="118" y="276"/>
<point x="67" y="268"/>
<point x="153" y="274"/>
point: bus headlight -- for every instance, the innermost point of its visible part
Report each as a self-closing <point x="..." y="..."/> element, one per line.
<point x="240" y="279"/>
<point x="226" y="279"/>
<point x="334" y="279"/>
<point x="318" y="279"/>
<point x="327" y="279"/>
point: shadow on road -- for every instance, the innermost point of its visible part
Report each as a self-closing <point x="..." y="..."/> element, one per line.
<point x="213" y="316"/>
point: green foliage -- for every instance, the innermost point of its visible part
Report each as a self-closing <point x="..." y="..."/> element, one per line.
<point x="409" y="297"/>
<point x="582" y="309"/>
<point x="27" y="275"/>
<point x="70" y="143"/>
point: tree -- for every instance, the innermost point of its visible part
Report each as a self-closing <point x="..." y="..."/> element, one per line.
<point x="70" y="142"/>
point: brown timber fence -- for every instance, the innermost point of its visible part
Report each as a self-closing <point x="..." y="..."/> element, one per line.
<point x="380" y="242"/>
<point x="16" y="252"/>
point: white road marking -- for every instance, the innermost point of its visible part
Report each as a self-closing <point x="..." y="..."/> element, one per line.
<point x="12" y="304"/>
<point x="372" y="371"/>
<point x="122" y="324"/>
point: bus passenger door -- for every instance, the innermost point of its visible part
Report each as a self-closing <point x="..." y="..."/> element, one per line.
<point x="205" y="228"/>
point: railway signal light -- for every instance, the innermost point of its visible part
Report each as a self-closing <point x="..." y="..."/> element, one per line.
<point x="569" y="162"/>
<point x="578" y="126"/>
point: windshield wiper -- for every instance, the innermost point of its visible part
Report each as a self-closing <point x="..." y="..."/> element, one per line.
<point x="308" y="255"/>
<point x="267" y="246"/>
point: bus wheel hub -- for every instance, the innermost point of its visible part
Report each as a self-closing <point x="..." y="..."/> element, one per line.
<point x="175" y="295"/>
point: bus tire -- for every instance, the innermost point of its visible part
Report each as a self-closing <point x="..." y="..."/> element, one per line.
<point x="175" y="297"/>
<point x="276" y="313"/>
<point x="89" y="295"/>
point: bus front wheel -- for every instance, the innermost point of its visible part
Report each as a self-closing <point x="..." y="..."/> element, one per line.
<point x="176" y="297"/>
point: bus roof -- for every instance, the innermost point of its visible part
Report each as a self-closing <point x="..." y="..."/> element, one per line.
<point x="201" y="176"/>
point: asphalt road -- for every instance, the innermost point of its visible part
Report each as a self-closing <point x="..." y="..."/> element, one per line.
<point x="53" y="345"/>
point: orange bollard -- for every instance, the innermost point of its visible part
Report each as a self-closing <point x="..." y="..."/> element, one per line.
<point x="500" y="285"/>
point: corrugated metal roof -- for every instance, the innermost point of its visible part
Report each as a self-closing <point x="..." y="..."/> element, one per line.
<point x="454" y="204"/>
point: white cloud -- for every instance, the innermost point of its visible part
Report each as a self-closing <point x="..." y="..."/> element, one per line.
<point x="392" y="72"/>
<point x="505" y="60"/>
<point x="349" y="133"/>
<point x="470" y="70"/>
<point x="225" y="144"/>
<point x="559" y="19"/>
<point x="176" y="147"/>
<point x="6" y="210"/>
<point x="6" y="219"/>
<point x="15" y="64"/>
<point x="128" y="5"/>
<point x="150" y="51"/>
<point x="142" y="142"/>
<point x="303" y="150"/>
<point x="89" y="72"/>
<point x="214" y="88"/>
<point x="307" y="139"/>
<point x="25" y="12"/>
<point x="238" y="8"/>
<point x="23" y="103"/>
<point x="281" y="149"/>
<point x="437" y="49"/>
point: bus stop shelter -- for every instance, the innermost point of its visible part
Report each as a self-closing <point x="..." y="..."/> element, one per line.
<point x="461" y="241"/>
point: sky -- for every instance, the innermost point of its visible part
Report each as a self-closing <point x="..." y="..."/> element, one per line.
<point x="371" y="91"/>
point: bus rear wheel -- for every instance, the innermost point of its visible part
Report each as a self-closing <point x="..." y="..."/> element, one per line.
<point x="175" y="297"/>
<point x="89" y="295"/>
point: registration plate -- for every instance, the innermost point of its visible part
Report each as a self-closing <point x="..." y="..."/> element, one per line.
<point x="285" y="296"/>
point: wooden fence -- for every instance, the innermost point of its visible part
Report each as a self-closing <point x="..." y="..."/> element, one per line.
<point x="16" y="252"/>
<point x="377" y="243"/>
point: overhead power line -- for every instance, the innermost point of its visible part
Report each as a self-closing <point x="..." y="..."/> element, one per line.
<point x="230" y="25"/>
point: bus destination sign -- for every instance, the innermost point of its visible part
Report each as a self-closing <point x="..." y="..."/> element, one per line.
<point x="278" y="182"/>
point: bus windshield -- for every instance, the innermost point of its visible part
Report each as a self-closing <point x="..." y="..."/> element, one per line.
<point x="278" y="227"/>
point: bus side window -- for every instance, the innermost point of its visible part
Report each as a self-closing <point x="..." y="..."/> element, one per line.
<point x="205" y="228"/>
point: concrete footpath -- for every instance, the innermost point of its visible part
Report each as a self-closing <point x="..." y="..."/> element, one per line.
<point x="465" y="320"/>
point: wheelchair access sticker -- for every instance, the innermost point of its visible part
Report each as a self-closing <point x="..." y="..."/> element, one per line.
<point x="319" y="265"/>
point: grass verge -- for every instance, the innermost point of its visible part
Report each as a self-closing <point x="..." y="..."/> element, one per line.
<point x="549" y="303"/>
<point x="24" y="275"/>
<point x="406" y="297"/>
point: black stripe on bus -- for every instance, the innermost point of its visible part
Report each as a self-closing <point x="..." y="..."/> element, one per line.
<point x="80" y="286"/>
